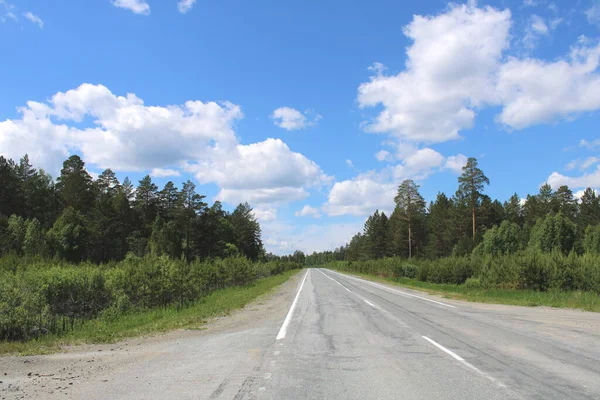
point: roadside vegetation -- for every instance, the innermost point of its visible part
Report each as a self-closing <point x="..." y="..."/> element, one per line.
<point x="541" y="250"/>
<point x="110" y="327"/>
<point x="85" y="259"/>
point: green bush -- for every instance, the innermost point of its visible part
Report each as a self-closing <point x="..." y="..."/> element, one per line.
<point x="38" y="296"/>
<point x="473" y="284"/>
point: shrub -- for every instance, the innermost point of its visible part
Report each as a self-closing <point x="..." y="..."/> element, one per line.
<point x="473" y="284"/>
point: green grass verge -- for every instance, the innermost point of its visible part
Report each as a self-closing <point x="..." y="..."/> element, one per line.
<point x="220" y="302"/>
<point x="588" y="301"/>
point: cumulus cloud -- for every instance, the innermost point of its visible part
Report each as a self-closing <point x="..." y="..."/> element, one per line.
<point x="535" y="91"/>
<point x="265" y="214"/>
<point x="373" y="190"/>
<point x="449" y="74"/>
<point x="127" y="135"/>
<point x="264" y="172"/>
<point x="308" y="211"/>
<point x="137" y="6"/>
<point x="164" y="173"/>
<point x="185" y="5"/>
<point x="591" y="179"/>
<point x="457" y="65"/>
<point x="360" y="196"/>
<point x="384" y="155"/>
<point x="33" y="18"/>
<point x="284" y="237"/>
<point x="456" y="163"/>
<point x="291" y="119"/>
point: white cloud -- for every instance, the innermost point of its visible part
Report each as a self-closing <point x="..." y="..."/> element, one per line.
<point x="282" y="237"/>
<point x="265" y="214"/>
<point x="538" y="25"/>
<point x="185" y="5"/>
<point x="308" y="211"/>
<point x="267" y="171"/>
<point x="572" y="165"/>
<point x="529" y="3"/>
<point x="449" y="74"/>
<point x="535" y="91"/>
<point x="555" y="22"/>
<point x="33" y="18"/>
<point x="163" y="173"/>
<point x="456" y="163"/>
<point x="126" y="135"/>
<point x="137" y="6"/>
<point x="291" y="119"/>
<point x="349" y="163"/>
<point x="367" y="192"/>
<point x="589" y="162"/>
<point x="457" y="65"/>
<point x="360" y="196"/>
<point x="590" y="145"/>
<point x="593" y="14"/>
<point x="384" y="155"/>
<point x="586" y="180"/>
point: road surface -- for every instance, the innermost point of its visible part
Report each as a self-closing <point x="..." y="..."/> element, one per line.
<point x="333" y="336"/>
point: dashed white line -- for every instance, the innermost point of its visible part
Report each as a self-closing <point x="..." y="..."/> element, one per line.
<point x="395" y="290"/>
<point x="288" y="318"/>
<point x="465" y="363"/>
<point x="439" y="346"/>
<point x="371" y="304"/>
<point x="359" y="296"/>
<point x="335" y="281"/>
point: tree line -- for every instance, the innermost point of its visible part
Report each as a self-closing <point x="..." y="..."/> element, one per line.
<point x="471" y="222"/>
<point x="79" y="218"/>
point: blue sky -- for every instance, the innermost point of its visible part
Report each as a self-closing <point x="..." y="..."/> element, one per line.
<point x="312" y="111"/>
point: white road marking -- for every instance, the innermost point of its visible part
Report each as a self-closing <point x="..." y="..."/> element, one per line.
<point x="335" y="281"/>
<point x="371" y="304"/>
<point x="439" y="346"/>
<point x="465" y="363"/>
<point x="395" y="290"/>
<point x="359" y="296"/>
<point x="288" y="318"/>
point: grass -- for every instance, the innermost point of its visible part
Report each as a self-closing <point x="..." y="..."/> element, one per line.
<point x="220" y="302"/>
<point x="588" y="301"/>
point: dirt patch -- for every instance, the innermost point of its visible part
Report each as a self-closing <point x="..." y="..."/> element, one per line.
<point x="54" y="376"/>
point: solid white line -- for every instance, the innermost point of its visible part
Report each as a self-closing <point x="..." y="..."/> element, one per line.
<point x="397" y="291"/>
<point x="288" y="318"/>
<point x="465" y="363"/>
<point x="439" y="346"/>
<point x="371" y="304"/>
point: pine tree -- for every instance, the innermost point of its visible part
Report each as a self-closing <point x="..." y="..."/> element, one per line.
<point x="471" y="184"/>
<point x="75" y="185"/>
<point x="410" y="205"/>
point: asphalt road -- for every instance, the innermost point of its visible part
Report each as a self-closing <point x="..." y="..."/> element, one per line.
<point x="326" y="335"/>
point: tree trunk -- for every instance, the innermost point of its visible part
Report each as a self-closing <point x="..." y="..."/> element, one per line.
<point x="474" y="231"/>
<point x="409" y="241"/>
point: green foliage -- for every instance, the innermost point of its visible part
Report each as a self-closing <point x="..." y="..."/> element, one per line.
<point x="591" y="241"/>
<point x="473" y="284"/>
<point x="38" y="296"/>
<point x="68" y="236"/>
<point x="505" y="239"/>
<point x="553" y="233"/>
